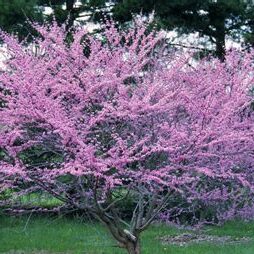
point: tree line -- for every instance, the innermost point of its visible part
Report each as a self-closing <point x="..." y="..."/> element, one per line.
<point x="214" y="20"/>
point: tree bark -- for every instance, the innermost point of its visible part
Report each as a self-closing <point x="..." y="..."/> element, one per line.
<point x="217" y="20"/>
<point x="133" y="247"/>
<point x="70" y="9"/>
<point x="220" y="42"/>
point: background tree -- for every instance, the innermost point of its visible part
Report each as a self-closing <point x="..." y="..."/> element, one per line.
<point x="63" y="10"/>
<point x="14" y="14"/>
<point x="213" y="19"/>
<point x="128" y="122"/>
<point x="73" y="10"/>
<point x="249" y="34"/>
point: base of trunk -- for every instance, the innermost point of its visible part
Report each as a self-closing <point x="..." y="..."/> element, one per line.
<point x="133" y="248"/>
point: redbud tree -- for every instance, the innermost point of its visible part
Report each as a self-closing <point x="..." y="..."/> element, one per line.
<point x="124" y="119"/>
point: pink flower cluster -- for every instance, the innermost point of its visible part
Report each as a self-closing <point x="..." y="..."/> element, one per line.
<point x="125" y="114"/>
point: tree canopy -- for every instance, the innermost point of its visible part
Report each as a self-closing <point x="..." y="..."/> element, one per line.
<point x="126" y="120"/>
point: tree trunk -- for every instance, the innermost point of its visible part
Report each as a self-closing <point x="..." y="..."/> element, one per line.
<point x="217" y="17"/>
<point x="70" y="9"/>
<point x="133" y="247"/>
<point x="220" y="45"/>
<point x="218" y="21"/>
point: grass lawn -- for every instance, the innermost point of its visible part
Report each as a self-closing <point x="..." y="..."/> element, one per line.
<point x="66" y="235"/>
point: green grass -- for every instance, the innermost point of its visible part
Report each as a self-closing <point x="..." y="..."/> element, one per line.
<point x="36" y="199"/>
<point x="68" y="235"/>
<point x="41" y="200"/>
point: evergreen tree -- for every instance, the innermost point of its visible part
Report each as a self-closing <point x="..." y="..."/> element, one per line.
<point x="15" y="13"/>
<point x="211" y="18"/>
<point x="63" y="10"/>
<point x="71" y="10"/>
<point x="249" y="34"/>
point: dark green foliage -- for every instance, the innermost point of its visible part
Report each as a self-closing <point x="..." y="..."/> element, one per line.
<point x="63" y="10"/>
<point x="14" y="15"/>
<point x="4" y="195"/>
<point x="68" y="10"/>
<point x="156" y="160"/>
<point x="39" y="155"/>
<point x="213" y="19"/>
<point x="249" y="33"/>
